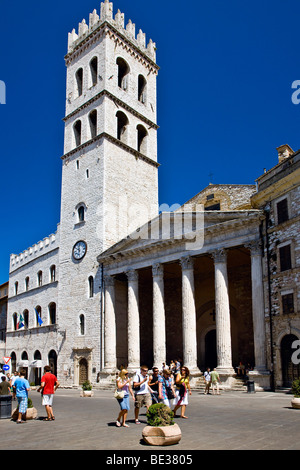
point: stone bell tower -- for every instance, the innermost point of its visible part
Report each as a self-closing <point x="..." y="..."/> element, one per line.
<point x="109" y="174"/>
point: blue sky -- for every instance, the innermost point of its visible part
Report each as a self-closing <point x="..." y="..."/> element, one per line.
<point x="224" y="99"/>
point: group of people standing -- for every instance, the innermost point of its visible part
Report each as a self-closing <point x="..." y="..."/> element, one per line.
<point x="18" y="386"/>
<point x="161" y="386"/>
<point x="212" y="379"/>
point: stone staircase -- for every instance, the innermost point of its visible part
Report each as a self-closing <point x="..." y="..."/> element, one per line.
<point x="239" y="385"/>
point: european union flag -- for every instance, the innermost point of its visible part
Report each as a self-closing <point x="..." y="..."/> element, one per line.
<point x="40" y="321"/>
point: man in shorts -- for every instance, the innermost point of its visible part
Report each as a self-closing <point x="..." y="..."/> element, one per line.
<point x="142" y="392"/>
<point x="22" y="389"/>
<point x="49" y="385"/>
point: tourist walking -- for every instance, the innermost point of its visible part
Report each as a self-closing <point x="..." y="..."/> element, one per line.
<point x="166" y="387"/>
<point x="49" y="385"/>
<point x="22" y="389"/>
<point x="215" y="380"/>
<point x="182" y="390"/>
<point x="153" y="384"/>
<point x="142" y="392"/>
<point x="124" y="385"/>
<point x="207" y="379"/>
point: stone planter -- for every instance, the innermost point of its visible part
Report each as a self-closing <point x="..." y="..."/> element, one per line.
<point x="31" y="413"/>
<point x="86" y="393"/>
<point x="295" y="403"/>
<point x="162" y="435"/>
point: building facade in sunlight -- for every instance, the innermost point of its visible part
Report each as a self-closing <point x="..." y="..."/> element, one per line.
<point x="123" y="281"/>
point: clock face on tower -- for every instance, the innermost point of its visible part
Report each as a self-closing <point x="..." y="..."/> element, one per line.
<point x="79" y="250"/>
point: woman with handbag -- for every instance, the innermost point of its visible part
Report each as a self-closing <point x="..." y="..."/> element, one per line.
<point x="122" y="395"/>
<point x="165" y="387"/>
<point x="182" y="389"/>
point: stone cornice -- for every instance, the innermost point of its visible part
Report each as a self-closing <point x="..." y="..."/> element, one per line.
<point x="115" y="141"/>
<point x="118" y="102"/>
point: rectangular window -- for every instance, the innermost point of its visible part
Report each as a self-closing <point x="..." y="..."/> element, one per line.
<point x="214" y="207"/>
<point x="285" y="258"/>
<point x="287" y="304"/>
<point x="282" y="211"/>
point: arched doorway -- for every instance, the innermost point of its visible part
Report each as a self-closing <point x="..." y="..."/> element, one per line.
<point x="83" y="370"/>
<point x="211" y="349"/>
<point x="290" y="371"/>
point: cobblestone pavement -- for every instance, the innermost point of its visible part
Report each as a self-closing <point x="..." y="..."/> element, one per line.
<point x="231" y="421"/>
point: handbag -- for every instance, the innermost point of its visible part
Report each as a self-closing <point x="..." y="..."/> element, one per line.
<point x="169" y="391"/>
<point x="119" y="394"/>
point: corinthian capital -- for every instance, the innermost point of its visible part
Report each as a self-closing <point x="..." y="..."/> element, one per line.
<point x="132" y="275"/>
<point x="255" y="247"/>
<point x="219" y="256"/>
<point x="157" y="270"/>
<point x="187" y="263"/>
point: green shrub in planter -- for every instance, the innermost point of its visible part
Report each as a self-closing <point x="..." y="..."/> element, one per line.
<point x="296" y="388"/>
<point x="87" y="385"/>
<point x="160" y="414"/>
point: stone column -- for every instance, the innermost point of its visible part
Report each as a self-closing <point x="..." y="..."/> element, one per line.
<point x="258" y="310"/>
<point x="189" y="328"/>
<point x="110" y="362"/>
<point x="223" y="333"/>
<point x="133" y="321"/>
<point x="159" y="321"/>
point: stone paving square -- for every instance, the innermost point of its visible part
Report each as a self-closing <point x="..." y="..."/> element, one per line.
<point x="231" y="421"/>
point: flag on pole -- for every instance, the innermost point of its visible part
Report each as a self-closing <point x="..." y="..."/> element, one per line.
<point x="40" y="321"/>
<point x="20" y="323"/>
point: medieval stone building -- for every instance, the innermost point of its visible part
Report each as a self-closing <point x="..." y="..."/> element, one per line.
<point x="214" y="282"/>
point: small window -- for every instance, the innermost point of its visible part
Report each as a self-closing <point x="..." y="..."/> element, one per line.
<point x="213" y="207"/>
<point x="26" y="318"/>
<point x="27" y="283"/>
<point x="282" y="211"/>
<point x="40" y="278"/>
<point x="52" y="273"/>
<point x="77" y="133"/>
<point x="123" y="71"/>
<point x="16" y="287"/>
<point x="285" y="258"/>
<point x="122" y="124"/>
<point x="287" y="303"/>
<point x="81" y="214"/>
<point x="142" y="85"/>
<point x="93" y="123"/>
<point x="52" y="313"/>
<point x="94" y="70"/>
<point x="81" y="325"/>
<point x="91" y="286"/>
<point x="141" y="139"/>
<point x="79" y="81"/>
<point x="15" y="321"/>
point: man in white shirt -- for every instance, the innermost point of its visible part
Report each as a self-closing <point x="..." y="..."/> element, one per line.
<point x="142" y="392"/>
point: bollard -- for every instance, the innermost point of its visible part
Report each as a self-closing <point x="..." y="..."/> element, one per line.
<point x="250" y="386"/>
<point x="5" y="406"/>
